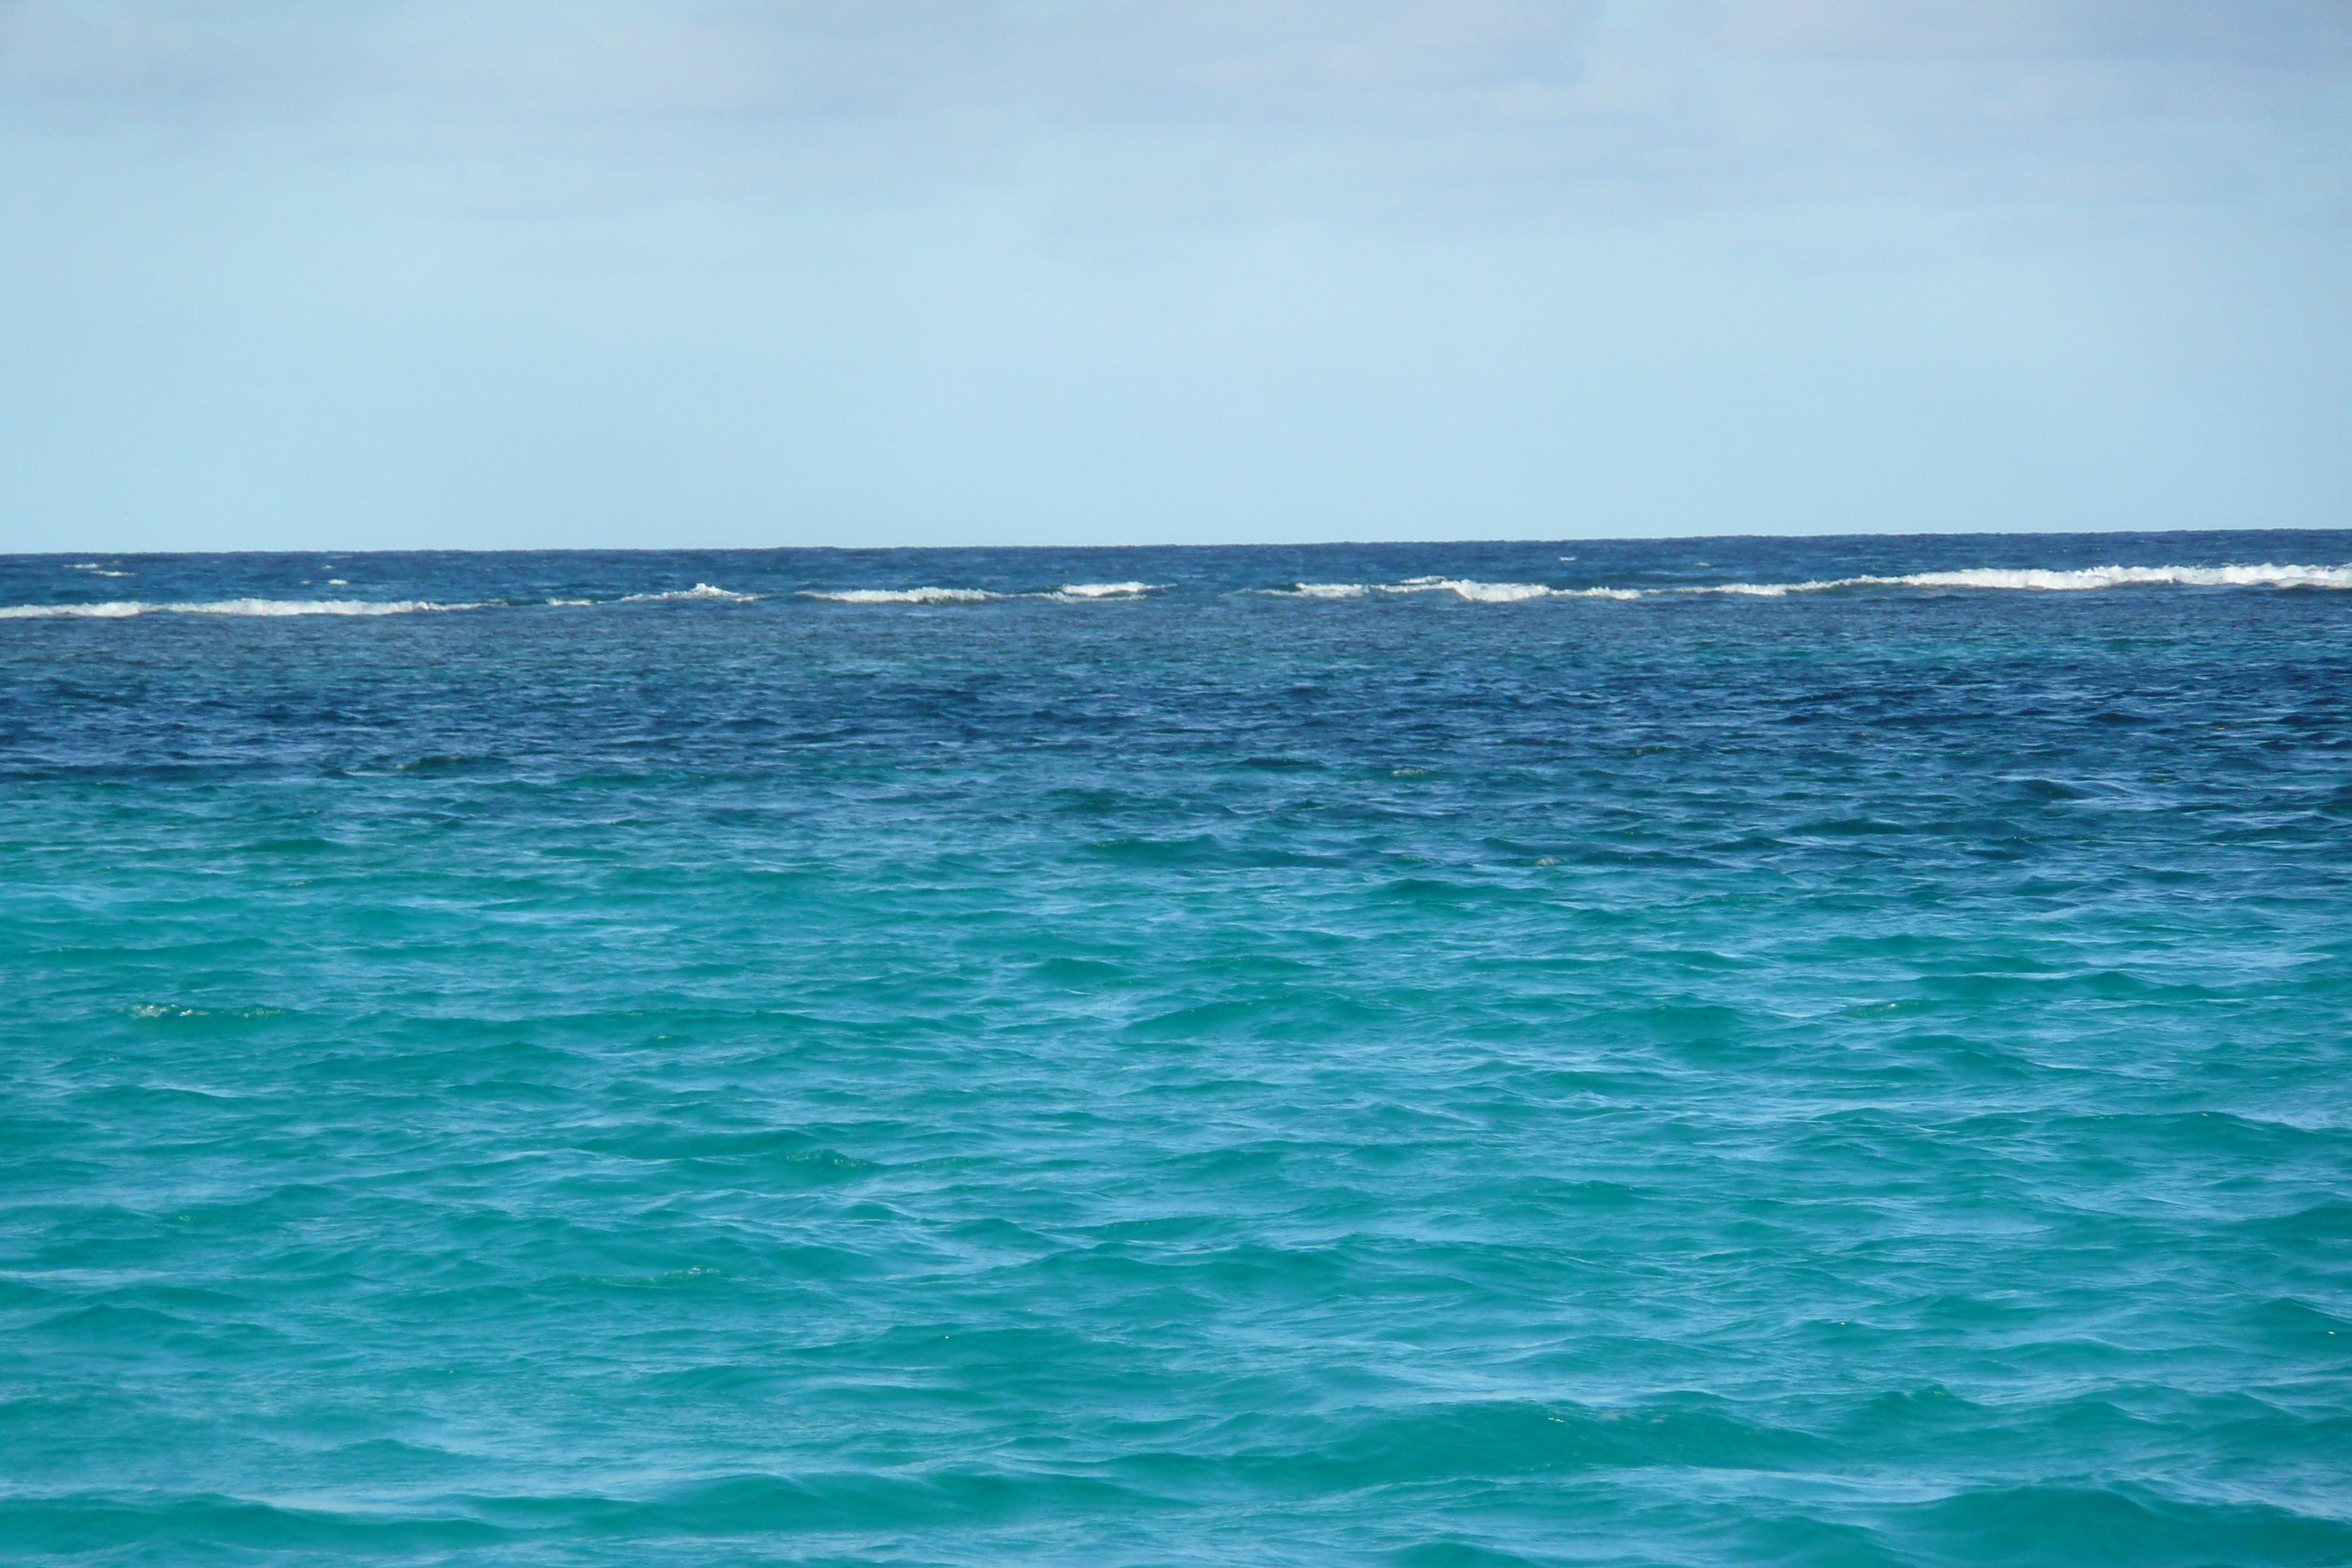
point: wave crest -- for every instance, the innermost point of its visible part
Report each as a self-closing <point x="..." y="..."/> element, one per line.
<point x="699" y="590"/>
<point x="2084" y="579"/>
<point x="2034" y="580"/>
<point x="1469" y="588"/>
<point x="1068" y="594"/>
<point x="901" y="595"/>
<point x="119" y="609"/>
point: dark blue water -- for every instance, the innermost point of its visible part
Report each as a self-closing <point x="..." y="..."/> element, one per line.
<point x="1812" y="1052"/>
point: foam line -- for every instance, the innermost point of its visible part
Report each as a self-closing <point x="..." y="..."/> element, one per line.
<point x="120" y="609"/>
<point x="699" y="590"/>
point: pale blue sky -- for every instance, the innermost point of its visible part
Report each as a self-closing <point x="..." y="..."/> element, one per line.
<point x="393" y="273"/>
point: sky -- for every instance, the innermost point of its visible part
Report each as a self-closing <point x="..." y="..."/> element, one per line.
<point x="519" y="274"/>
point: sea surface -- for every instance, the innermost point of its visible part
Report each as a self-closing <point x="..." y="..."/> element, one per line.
<point x="1725" y="1051"/>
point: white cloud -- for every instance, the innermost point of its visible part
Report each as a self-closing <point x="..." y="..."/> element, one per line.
<point x="2291" y="33"/>
<point x="1533" y="107"/>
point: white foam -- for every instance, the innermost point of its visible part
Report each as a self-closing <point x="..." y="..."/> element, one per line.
<point x="1493" y="593"/>
<point x="117" y="609"/>
<point x="113" y="610"/>
<point x="1068" y="594"/>
<point x="903" y="595"/>
<point x="699" y="590"/>
<point x="1461" y="587"/>
<point x="93" y="566"/>
<point x="1988" y="578"/>
<point x="2076" y="582"/>
<point x="1479" y="593"/>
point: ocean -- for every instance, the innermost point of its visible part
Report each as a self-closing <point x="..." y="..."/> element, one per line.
<point x="1751" y="1051"/>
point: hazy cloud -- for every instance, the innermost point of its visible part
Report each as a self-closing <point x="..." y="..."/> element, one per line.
<point x="2279" y="33"/>
<point x="640" y="271"/>
<point x="1546" y="100"/>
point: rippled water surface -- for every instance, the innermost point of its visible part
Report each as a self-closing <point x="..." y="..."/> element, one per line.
<point x="1831" y="1052"/>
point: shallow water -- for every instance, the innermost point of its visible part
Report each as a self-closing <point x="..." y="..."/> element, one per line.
<point x="1488" y="1058"/>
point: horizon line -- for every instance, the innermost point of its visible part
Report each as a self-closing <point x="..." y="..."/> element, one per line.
<point x="1262" y="544"/>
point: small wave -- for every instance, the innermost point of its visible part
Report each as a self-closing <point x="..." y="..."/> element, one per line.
<point x="902" y="596"/>
<point x="1494" y="593"/>
<point x="1467" y="588"/>
<point x="1068" y="594"/>
<point x="2070" y="581"/>
<point x="119" y="609"/>
<point x="1476" y="591"/>
<point x="172" y="1010"/>
<point x="703" y="590"/>
<point x="92" y="566"/>
<point x="1479" y="593"/>
<point x="1991" y="578"/>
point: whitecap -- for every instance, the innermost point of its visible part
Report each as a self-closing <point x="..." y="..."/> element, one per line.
<point x="699" y="590"/>
<point x="1480" y="593"/>
<point x="119" y="609"/>
<point x="902" y="596"/>
<point x="1990" y="578"/>
<point x="1461" y="587"/>
<point x="111" y="610"/>
<point x="2085" y="580"/>
<point x="1068" y="593"/>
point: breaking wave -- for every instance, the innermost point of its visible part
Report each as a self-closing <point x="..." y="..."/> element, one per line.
<point x="120" y="609"/>
<point x="901" y="595"/>
<point x="699" y="590"/>
<point x="1990" y="578"/>
<point x="1468" y="588"/>
<point x="2052" y="581"/>
<point x="1068" y="593"/>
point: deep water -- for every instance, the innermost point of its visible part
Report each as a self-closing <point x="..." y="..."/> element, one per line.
<point x="1439" y="1073"/>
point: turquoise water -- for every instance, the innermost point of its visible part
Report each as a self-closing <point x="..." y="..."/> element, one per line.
<point x="755" y="1063"/>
